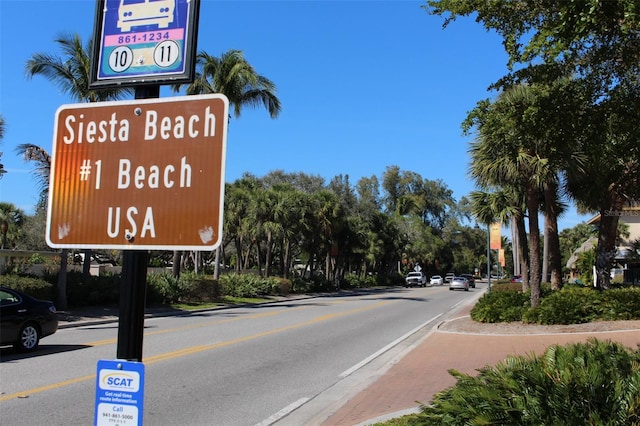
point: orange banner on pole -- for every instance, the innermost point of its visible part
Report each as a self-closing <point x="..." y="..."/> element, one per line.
<point x="495" y="242"/>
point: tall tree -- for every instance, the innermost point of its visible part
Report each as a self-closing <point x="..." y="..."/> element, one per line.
<point x="598" y="44"/>
<point x="70" y="73"/>
<point x="506" y="204"/>
<point x="609" y="176"/>
<point x="42" y="171"/>
<point x="594" y="40"/>
<point x="11" y="222"/>
<point x="233" y="76"/>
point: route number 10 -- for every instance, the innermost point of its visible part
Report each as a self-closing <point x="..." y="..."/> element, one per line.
<point x="120" y="59"/>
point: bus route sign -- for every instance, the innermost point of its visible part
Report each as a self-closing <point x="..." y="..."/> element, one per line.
<point x="144" y="42"/>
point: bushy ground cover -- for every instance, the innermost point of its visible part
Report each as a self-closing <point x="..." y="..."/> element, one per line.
<point x="593" y="383"/>
<point x="188" y="288"/>
<point x="570" y="305"/>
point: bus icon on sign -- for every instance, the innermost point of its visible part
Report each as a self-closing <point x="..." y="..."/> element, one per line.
<point x="134" y="13"/>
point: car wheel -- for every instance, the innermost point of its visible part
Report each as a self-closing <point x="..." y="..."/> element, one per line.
<point x="466" y="289"/>
<point x="28" y="338"/>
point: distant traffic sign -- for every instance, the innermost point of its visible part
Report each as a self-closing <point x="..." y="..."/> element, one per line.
<point x="144" y="42"/>
<point x="142" y="174"/>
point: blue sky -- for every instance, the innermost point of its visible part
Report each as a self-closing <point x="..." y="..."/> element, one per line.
<point x="364" y="85"/>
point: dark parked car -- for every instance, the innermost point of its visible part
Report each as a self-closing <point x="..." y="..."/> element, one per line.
<point x="470" y="279"/>
<point x="25" y="320"/>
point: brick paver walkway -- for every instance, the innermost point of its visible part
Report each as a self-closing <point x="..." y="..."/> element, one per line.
<point x="424" y="371"/>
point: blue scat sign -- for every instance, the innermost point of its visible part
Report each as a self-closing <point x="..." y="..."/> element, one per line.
<point x="143" y="38"/>
<point x="119" y="393"/>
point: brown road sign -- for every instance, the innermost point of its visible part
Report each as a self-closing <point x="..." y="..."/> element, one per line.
<point x="142" y="174"/>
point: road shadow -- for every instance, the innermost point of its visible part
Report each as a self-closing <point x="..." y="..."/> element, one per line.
<point x="9" y="354"/>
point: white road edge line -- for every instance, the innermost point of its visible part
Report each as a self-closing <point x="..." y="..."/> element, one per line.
<point x="284" y="412"/>
<point x="370" y="358"/>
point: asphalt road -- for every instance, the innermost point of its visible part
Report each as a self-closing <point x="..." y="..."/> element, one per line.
<point x="281" y="363"/>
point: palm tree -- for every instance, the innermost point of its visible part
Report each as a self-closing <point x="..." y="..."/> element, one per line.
<point x="231" y="75"/>
<point x="42" y="160"/>
<point x="505" y="155"/>
<point x="505" y="204"/>
<point x="70" y="72"/>
<point x="11" y="221"/>
<point x="608" y="178"/>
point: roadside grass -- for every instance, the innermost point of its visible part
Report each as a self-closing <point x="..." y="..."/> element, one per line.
<point x="223" y="301"/>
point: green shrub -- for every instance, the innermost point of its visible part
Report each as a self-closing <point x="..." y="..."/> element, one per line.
<point x="198" y="288"/>
<point x="355" y="281"/>
<point x="351" y="281"/>
<point x="248" y="285"/>
<point x="506" y="286"/>
<point x="300" y="285"/>
<point x="573" y="305"/>
<point x="104" y="290"/>
<point x="162" y="288"/>
<point x="32" y="286"/>
<point x="593" y="383"/>
<point x="501" y="306"/>
<point x="281" y="286"/>
<point x="620" y="304"/>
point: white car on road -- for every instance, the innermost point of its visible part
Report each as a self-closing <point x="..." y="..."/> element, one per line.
<point x="437" y="280"/>
<point x="415" y="278"/>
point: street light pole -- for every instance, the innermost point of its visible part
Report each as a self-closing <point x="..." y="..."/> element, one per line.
<point x="489" y="256"/>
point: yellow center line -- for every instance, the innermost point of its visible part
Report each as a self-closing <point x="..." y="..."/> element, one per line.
<point x="201" y="348"/>
<point x="194" y="326"/>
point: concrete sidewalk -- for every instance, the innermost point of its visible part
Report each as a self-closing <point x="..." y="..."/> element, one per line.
<point x="423" y="372"/>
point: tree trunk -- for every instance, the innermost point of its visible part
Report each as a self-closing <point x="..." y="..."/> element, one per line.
<point x="515" y="236"/>
<point x="267" y="260"/>
<point x="62" y="281"/>
<point x="534" y="245"/>
<point x="216" y="265"/>
<point x="523" y="252"/>
<point x="239" y="258"/>
<point x="606" y="250"/>
<point x="327" y="265"/>
<point x="177" y="263"/>
<point x="545" y="251"/>
<point x="552" y="239"/>
<point x="86" y="266"/>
